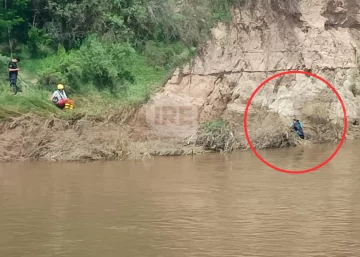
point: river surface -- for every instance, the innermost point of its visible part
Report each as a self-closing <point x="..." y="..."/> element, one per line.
<point x="207" y="205"/>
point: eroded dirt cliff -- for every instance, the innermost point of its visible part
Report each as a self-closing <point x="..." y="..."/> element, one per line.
<point x="266" y="37"/>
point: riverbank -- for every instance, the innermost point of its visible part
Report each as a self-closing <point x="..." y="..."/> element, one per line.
<point x="125" y="134"/>
<point x="111" y="137"/>
<point x="118" y="86"/>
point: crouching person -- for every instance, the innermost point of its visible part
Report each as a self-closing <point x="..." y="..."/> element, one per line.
<point x="60" y="99"/>
<point x="298" y="128"/>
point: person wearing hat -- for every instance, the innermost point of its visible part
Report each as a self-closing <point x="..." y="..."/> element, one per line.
<point x="59" y="98"/>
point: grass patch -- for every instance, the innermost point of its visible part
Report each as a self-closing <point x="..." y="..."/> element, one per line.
<point x="216" y="135"/>
<point x="33" y="101"/>
<point x="36" y="101"/>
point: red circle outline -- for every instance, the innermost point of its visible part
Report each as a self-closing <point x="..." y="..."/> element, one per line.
<point x="246" y="127"/>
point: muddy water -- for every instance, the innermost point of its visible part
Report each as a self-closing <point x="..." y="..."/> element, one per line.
<point x="210" y="205"/>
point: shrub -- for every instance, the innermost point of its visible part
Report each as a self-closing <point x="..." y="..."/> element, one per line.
<point x="217" y="136"/>
<point x="105" y="66"/>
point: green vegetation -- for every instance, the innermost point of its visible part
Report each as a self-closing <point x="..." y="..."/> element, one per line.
<point x="216" y="135"/>
<point x="214" y="126"/>
<point x="108" y="53"/>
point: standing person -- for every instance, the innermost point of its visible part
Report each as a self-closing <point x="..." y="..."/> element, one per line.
<point x="13" y="74"/>
<point x="59" y="98"/>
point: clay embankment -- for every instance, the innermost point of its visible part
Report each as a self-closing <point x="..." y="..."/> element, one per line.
<point x="262" y="39"/>
<point x="266" y="38"/>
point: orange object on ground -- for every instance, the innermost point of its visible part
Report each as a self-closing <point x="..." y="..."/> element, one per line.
<point x="66" y="103"/>
<point x="71" y="102"/>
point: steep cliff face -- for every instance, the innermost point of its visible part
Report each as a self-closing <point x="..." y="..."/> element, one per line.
<point x="266" y="37"/>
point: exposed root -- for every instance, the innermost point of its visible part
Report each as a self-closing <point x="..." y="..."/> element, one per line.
<point x="111" y="137"/>
<point x="221" y="140"/>
<point x="215" y="136"/>
<point x="87" y="139"/>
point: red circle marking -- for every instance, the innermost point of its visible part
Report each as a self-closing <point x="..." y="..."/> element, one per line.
<point x="247" y="133"/>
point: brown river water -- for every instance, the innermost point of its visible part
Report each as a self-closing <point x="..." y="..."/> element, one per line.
<point x="205" y="205"/>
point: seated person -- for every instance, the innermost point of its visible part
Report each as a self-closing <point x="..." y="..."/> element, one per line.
<point x="60" y="99"/>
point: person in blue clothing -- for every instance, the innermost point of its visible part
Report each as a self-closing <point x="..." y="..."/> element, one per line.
<point x="298" y="128"/>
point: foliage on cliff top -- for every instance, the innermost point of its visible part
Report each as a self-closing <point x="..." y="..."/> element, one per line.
<point x="46" y="23"/>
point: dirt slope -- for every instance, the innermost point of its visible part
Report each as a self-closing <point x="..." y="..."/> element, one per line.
<point x="264" y="38"/>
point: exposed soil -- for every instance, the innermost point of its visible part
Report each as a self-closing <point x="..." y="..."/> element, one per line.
<point x="111" y="138"/>
<point x="125" y="135"/>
